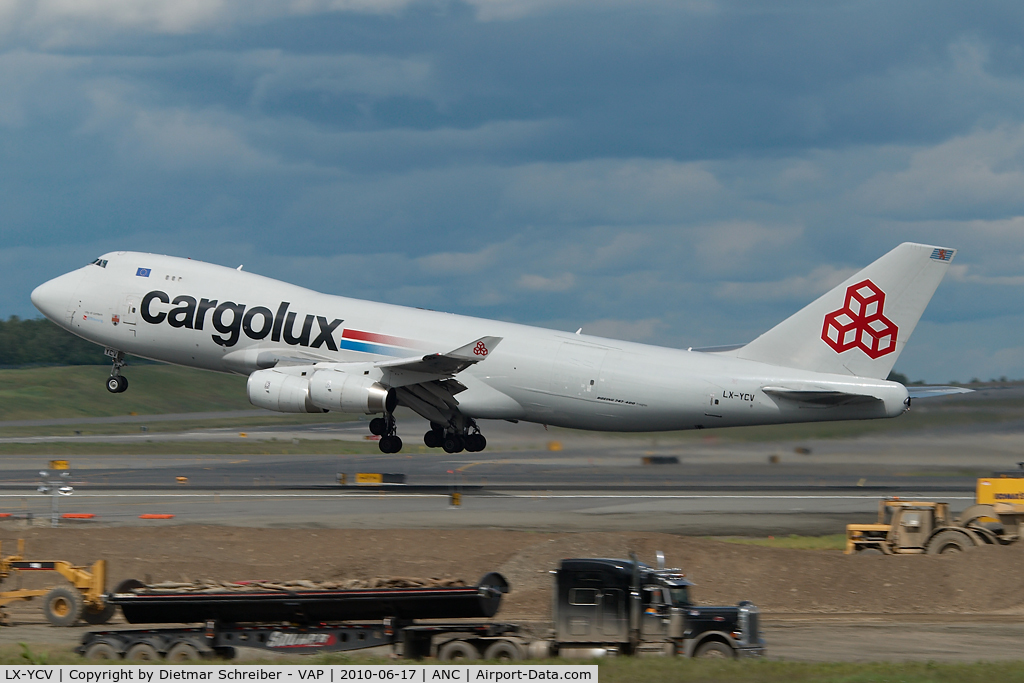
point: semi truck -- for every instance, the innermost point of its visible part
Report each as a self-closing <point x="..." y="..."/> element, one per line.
<point x="599" y="607"/>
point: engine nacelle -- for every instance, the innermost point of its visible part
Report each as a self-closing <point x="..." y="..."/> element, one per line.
<point x="277" y="391"/>
<point x="350" y="393"/>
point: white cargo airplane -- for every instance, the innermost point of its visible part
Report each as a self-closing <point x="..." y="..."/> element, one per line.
<point x="306" y="352"/>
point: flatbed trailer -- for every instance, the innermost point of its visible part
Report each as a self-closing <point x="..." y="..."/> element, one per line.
<point x="443" y="641"/>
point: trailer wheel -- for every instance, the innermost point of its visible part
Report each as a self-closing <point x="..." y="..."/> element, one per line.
<point x="142" y="652"/>
<point x="503" y="650"/>
<point x="62" y="606"/>
<point x="183" y="652"/>
<point x="102" y="651"/>
<point x="455" y="650"/>
<point x="98" y="616"/>
<point x="946" y="542"/>
<point x="714" y="649"/>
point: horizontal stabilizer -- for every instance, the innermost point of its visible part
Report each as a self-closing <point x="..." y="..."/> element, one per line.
<point x="820" y="399"/>
<point x="932" y="391"/>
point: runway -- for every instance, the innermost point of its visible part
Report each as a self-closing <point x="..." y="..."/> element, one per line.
<point x="528" y="478"/>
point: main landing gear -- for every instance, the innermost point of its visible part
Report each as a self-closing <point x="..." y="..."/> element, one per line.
<point x="117" y="382"/>
<point x="453" y="442"/>
<point x="384" y="427"/>
<point x="439" y="436"/>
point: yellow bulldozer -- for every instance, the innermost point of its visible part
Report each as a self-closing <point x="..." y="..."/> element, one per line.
<point x="907" y="527"/>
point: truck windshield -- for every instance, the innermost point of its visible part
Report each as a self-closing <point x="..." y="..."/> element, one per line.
<point x="680" y="595"/>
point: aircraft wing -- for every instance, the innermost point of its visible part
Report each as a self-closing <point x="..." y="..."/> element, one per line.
<point x="813" y="398"/>
<point x="444" y="364"/>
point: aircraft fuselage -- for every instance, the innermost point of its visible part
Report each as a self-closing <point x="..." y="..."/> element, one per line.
<point x="206" y="316"/>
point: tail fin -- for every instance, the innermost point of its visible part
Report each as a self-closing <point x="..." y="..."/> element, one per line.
<point x="861" y="326"/>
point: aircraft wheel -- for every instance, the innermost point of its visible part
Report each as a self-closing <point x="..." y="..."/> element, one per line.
<point x="475" y="443"/>
<point x="118" y="384"/>
<point x="389" y="444"/>
<point x="433" y="439"/>
<point x="378" y="426"/>
<point x="453" y="444"/>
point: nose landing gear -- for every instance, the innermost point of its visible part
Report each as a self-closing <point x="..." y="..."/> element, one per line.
<point x="116" y="383"/>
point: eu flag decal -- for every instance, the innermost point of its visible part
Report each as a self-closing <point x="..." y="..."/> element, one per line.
<point x="143" y="272"/>
<point x="943" y="254"/>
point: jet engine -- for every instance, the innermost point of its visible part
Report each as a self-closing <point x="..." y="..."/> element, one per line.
<point x="275" y="390"/>
<point x="350" y="393"/>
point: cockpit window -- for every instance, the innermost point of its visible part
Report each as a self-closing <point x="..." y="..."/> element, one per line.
<point x="101" y="262"/>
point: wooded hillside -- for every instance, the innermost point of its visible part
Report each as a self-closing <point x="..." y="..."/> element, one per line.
<point x="40" y="342"/>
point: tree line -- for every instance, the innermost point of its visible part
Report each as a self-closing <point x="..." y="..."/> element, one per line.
<point x="39" y="342"/>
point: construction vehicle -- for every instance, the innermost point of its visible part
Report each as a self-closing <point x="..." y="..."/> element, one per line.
<point x="62" y="605"/>
<point x="907" y="527"/>
<point x="601" y="606"/>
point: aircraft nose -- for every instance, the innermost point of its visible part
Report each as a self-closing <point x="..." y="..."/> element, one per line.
<point x="52" y="298"/>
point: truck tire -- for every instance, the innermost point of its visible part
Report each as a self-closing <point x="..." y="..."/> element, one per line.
<point x="869" y="551"/>
<point x="714" y="649"/>
<point x="455" y="650"/>
<point x="100" y="616"/>
<point x="62" y="606"/>
<point x="183" y="652"/>
<point x="503" y="650"/>
<point x="102" y="651"/>
<point x="142" y="652"/>
<point x="949" y="541"/>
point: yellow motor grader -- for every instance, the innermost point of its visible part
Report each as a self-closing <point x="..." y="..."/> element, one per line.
<point x="62" y="605"/>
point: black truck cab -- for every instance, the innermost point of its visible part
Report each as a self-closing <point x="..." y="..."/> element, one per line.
<point x="628" y="606"/>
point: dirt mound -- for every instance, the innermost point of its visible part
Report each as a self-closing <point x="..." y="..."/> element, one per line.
<point x="985" y="580"/>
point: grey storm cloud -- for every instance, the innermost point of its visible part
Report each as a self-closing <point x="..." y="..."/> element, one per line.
<point x="682" y="173"/>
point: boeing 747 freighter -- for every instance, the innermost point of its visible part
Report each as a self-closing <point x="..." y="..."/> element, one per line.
<point x="307" y="352"/>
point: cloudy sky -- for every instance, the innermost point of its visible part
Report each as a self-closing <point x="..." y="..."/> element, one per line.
<point x="679" y="172"/>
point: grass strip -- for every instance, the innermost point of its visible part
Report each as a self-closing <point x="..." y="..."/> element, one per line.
<point x="240" y="447"/>
<point x="829" y="542"/>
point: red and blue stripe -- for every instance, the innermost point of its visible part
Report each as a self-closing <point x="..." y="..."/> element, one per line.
<point x="380" y="344"/>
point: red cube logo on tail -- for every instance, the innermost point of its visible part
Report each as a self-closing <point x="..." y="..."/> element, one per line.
<point x="860" y="323"/>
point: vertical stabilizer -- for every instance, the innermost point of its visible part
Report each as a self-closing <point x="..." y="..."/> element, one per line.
<point x="860" y="327"/>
